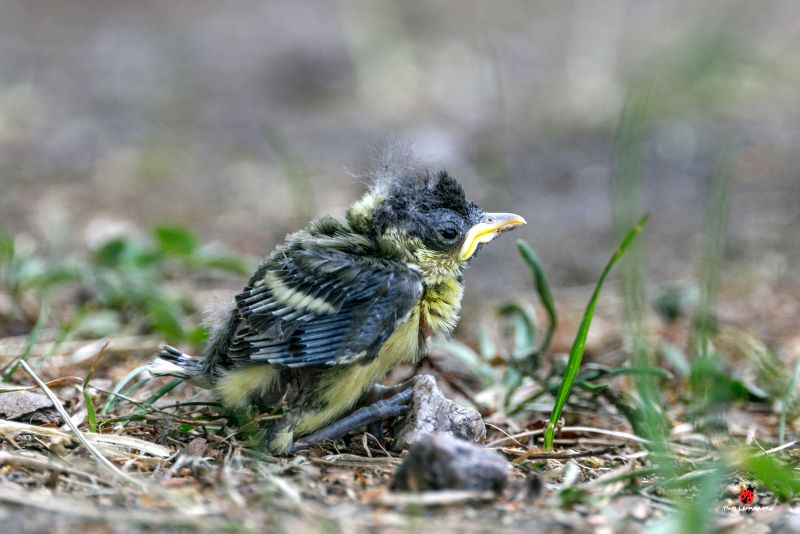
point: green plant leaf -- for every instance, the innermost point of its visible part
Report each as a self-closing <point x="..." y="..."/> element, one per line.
<point x="175" y="240"/>
<point x="164" y="317"/>
<point x="578" y="346"/>
<point x="197" y="335"/>
<point x="111" y="253"/>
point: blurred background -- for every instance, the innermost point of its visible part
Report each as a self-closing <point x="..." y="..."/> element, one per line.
<point x="241" y="120"/>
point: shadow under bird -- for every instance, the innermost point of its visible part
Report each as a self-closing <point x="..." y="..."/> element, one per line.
<point x="331" y="311"/>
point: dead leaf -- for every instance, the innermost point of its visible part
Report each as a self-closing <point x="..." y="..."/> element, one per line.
<point x="15" y="404"/>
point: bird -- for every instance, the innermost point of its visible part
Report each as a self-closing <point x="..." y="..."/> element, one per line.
<point x="328" y="313"/>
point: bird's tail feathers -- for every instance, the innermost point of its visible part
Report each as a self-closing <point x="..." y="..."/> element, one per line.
<point x="172" y="362"/>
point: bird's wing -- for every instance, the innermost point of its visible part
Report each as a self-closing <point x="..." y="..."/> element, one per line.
<point x="312" y="307"/>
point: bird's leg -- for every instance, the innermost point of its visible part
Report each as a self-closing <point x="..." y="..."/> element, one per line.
<point x="383" y="409"/>
<point x="379" y="392"/>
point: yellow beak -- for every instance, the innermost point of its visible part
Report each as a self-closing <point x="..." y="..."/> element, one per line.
<point x="491" y="226"/>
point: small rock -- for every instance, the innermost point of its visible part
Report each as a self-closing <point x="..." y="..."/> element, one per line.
<point x="429" y="411"/>
<point x="439" y="461"/>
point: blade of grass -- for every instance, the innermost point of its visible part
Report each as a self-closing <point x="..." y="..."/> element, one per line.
<point x="112" y="401"/>
<point x="627" y="172"/>
<point x="578" y="346"/>
<point x="715" y="226"/>
<point x="122" y="396"/>
<point x="651" y="371"/>
<point x="542" y="288"/>
<point x="163" y="390"/>
<point x="630" y="148"/>
<point x="134" y="387"/>
<point x="30" y="341"/>
<point x="123" y="419"/>
<point x="787" y="398"/>
<point x="126" y="394"/>
<point x="87" y="396"/>
<point x="145" y="405"/>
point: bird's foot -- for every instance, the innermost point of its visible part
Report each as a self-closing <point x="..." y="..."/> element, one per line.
<point x="379" y="392"/>
<point x="378" y="411"/>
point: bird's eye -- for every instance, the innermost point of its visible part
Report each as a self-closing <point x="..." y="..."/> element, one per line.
<point x="449" y="233"/>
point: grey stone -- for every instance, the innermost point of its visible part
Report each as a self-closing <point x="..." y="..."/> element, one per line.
<point x="439" y="461"/>
<point x="429" y="411"/>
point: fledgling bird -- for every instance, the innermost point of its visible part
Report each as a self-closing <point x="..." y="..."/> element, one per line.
<point x="331" y="311"/>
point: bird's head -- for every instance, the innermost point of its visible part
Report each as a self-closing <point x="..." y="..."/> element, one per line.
<point x="424" y="216"/>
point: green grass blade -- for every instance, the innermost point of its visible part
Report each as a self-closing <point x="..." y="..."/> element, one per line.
<point x="90" y="414"/>
<point x="542" y="288"/>
<point x="578" y="346"/>
<point x="163" y="390"/>
<point x="116" y="397"/>
<point x="137" y="385"/>
<point x="87" y="396"/>
<point x="113" y="400"/>
<point x="715" y="226"/>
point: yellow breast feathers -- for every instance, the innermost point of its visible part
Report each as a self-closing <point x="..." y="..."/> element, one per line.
<point x="342" y="386"/>
<point x="440" y="305"/>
